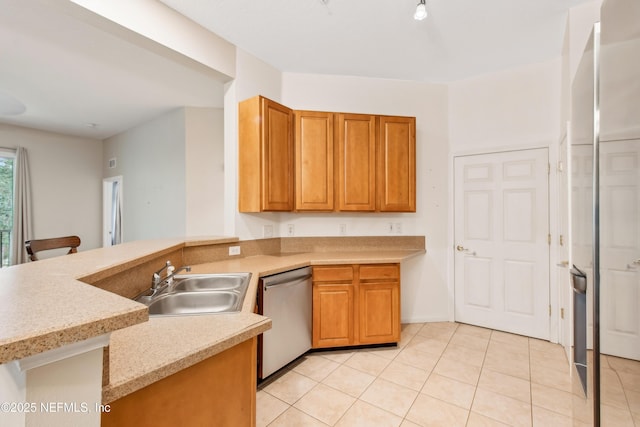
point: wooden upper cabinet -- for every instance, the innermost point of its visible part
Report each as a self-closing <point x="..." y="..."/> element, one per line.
<point x="356" y="162"/>
<point x="265" y="169"/>
<point x="314" y="161"/>
<point x="396" y="183"/>
<point x="323" y="161"/>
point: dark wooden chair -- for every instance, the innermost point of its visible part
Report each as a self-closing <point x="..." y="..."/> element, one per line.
<point x="33" y="246"/>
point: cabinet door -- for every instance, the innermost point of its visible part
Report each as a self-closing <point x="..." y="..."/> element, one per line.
<point x="314" y="161"/>
<point x="277" y="157"/>
<point x="378" y="303"/>
<point x="356" y="162"/>
<point x="379" y="312"/>
<point x="332" y="315"/>
<point x="397" y="164"/>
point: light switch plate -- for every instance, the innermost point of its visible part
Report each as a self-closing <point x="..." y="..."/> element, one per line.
<point x="234" y="250"/>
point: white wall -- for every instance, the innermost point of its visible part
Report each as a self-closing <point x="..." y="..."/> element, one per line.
<point x="204" y="168"/>
<point x="515" y="108"/>
<point x="151" y="160"/>
<point x="66" y="183"/>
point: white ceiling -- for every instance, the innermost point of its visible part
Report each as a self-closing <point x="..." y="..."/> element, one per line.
<point x="69" y="73"/>
<point x="380" y="38"/>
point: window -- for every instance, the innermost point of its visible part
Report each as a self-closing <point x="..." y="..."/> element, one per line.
<point x="6" y="206"/>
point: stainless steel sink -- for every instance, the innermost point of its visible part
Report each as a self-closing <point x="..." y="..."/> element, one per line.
<point x="206" y="282"/>
<point x="199" y="294"/>
<point x="196" y="303"/>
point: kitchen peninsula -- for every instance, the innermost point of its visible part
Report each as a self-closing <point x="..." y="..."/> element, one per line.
<point x="46" y="307"/>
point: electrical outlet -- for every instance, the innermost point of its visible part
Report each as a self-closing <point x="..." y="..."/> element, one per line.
<point x="267" y="231"/>
<point x="234" y="250"/>
<point x="343" y="229"/>
<point x="291" y="230"/>
<point x="390" y="228"/>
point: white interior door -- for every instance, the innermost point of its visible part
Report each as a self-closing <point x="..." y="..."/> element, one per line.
<point x="501" y="241"/>
<point x="620" y="248"/>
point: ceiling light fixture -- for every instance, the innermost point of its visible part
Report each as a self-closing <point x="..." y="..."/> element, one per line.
<point x="421" y="11"/>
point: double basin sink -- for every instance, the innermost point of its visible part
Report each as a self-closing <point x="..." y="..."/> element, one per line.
<point x="199" y="294"/>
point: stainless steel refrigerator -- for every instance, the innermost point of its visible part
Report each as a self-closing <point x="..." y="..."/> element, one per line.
<point x="605" y="220"/>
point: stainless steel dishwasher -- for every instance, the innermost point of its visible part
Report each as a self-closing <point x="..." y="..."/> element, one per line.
<point x="286" y="299"/>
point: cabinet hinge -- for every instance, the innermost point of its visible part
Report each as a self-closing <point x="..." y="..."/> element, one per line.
<point x="562" y="313"/>
<point x="548" y="168"/>
<point x="549" y="239"/>
<point x="561" y="238"/>
<point x="549" y="310"/>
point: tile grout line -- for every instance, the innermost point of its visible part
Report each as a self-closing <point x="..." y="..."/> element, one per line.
<point x="479" y="376"/>
<point x="530" y="382"/>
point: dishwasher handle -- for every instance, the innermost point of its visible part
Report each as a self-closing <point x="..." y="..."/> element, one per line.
<point x="286" y="283"/>
<point x="290" y="277"/>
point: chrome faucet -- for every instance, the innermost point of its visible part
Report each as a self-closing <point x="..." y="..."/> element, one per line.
<point x="156" y="276"/>
<point x="160" y="284"/>
<point x="171" y="271"/>
<point x="157" y="280"/>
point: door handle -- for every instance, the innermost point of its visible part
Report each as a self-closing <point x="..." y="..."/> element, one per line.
<point x="461" y="248"/>
<point x="563" y="264"/>
<point x="633" y="264"/>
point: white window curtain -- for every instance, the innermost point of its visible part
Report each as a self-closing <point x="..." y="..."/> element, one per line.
<point x="22" y="222"/>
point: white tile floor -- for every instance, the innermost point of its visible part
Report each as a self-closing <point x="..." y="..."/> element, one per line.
<point x="443" y="374"/>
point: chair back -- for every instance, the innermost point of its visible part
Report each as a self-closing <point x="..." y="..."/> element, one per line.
<point x="38" y="245"/>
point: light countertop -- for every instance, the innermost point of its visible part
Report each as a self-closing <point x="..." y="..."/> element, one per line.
<point x="148" y="352"/>
<point x="43" y="306"/>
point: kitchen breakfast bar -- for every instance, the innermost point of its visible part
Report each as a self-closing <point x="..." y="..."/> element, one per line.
<point x="75" y="349"/>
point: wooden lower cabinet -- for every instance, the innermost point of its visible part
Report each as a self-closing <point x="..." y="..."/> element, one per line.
<point x="356" y="305"/>
<point x="332" y="315"/>
<point x="219" y="391"/>
<point x="379" y="306"/>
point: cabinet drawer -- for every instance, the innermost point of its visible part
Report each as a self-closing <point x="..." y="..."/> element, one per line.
<point x="333" y="273"/>
<point x="379" y="271"/>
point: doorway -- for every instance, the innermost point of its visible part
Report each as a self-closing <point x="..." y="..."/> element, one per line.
<point x="112" y="211"/>
<point x="501" y="232"/>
